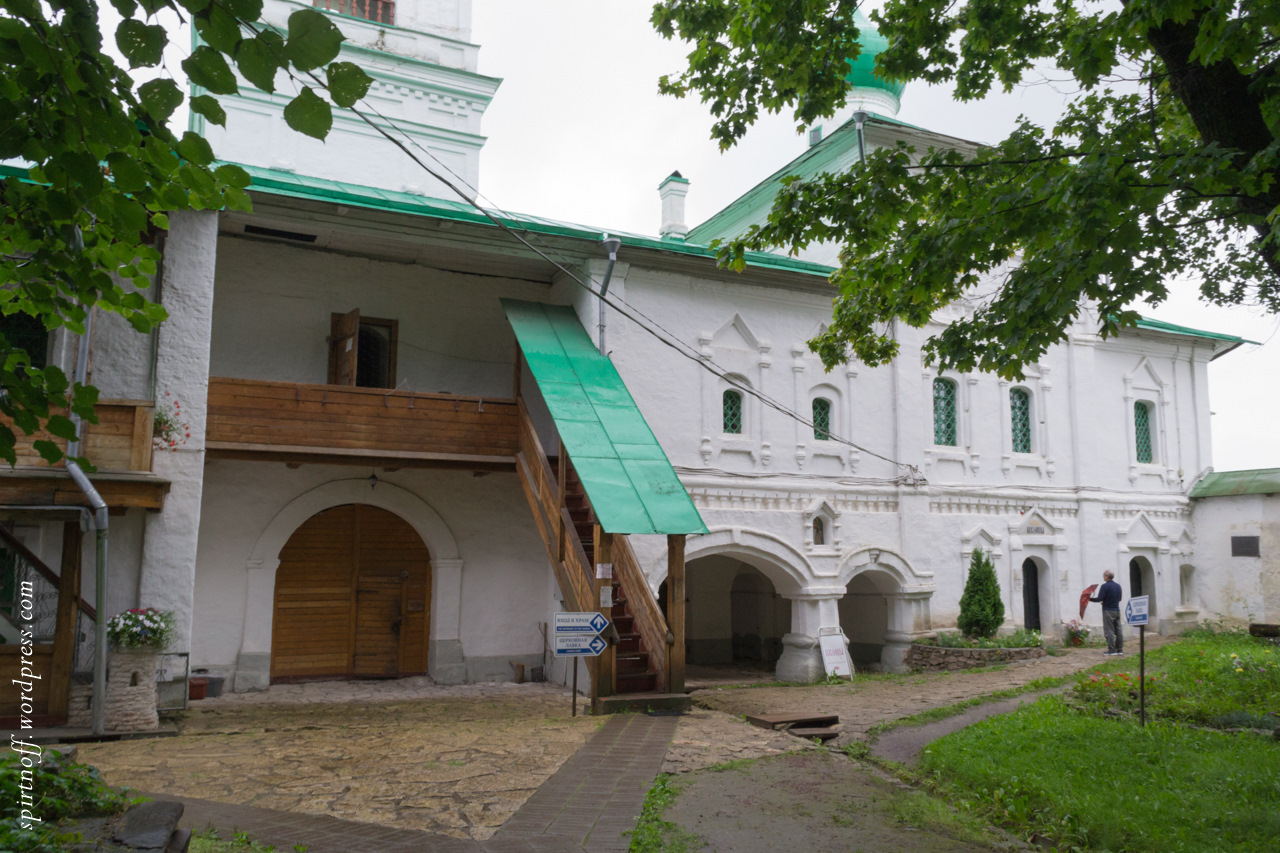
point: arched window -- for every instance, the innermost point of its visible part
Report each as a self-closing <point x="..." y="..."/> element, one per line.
<point x="944" y="412"/>
<point x="819" y="532"/>
<point x="733" y="412"/>
<point x="1020" y="415"/>
<point x="822" y="419"/>
<point x="1142" y="432"/>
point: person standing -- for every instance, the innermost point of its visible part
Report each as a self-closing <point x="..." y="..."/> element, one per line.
<point x="1110" y="594"/>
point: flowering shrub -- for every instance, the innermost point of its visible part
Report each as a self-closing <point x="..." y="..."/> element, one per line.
<point x="171" y="431"/>
<point x="1100" y="692"/>
<point x="1077" y="633"/>
<point x="136" y="628"/>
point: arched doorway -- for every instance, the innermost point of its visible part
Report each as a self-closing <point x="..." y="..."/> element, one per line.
<point x="1142" y="581"/>
<point x="864" y="617"/>
<point x="1031" y="594"/>
<point x="733" y="614"/>
<point x="352" y="598"/>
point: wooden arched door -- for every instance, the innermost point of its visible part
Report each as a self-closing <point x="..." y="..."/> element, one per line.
<point x="352" y="598"/>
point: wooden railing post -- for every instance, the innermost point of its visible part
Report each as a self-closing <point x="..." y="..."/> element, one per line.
<point x="562" y="476"/>
<point x="675" y="611"/>
<point x="605" y="668"/>
<point x="64" y="631"/>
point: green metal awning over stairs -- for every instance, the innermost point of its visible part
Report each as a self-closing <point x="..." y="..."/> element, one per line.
<point x="627" y="477"/>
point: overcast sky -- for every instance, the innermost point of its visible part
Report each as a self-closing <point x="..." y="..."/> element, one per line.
<point x="578" y="132"/>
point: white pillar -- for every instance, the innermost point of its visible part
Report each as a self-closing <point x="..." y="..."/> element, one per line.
<point x="168" y="573"/>
<point x="811" y="611"/>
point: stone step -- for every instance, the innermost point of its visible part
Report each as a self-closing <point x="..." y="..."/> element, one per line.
<point x="823" y="733"/>
<point x="793" y="719"/>
<point x="636" y="682"/>
<point x="642" y="702"/>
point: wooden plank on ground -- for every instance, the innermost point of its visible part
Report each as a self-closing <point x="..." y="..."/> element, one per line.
<point x="791" y="719"/>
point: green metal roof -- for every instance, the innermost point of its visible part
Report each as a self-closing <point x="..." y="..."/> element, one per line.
<point x="630" y="482"/>
<point x="1161" y="326"/>
<point x="1256" y="481"/>
<point x="322" y="189"/>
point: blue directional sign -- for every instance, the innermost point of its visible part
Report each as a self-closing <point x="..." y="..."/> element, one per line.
<point x="579" y="644"/>
<point x="1136" y="610"/>
<point x="589" y="623"/>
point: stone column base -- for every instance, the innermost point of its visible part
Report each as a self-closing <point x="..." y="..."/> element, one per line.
<point x="445" y="664"/>
<point x="253" y="672"/>
<point x="801" y="659"/>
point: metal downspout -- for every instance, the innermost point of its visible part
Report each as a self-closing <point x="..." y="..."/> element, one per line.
<point x="611" y="244"/>
<point x="860" y="120"/>
<point x="100" y="524"/>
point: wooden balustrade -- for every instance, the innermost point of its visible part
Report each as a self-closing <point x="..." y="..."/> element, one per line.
<point x="649" y="621"/>
<point x="251" y="418"/>
<point x="119" y="441"/>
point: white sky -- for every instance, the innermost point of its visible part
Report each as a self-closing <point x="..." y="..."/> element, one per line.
<point x="578" y="132"/>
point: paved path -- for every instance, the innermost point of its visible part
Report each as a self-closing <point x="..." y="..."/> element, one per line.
<point x="586" y="805"/>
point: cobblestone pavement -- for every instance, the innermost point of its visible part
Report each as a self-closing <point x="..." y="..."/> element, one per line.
<point x="411" y="755"/>
<point x="716" y="733"/>
<point x="451" y="760"/>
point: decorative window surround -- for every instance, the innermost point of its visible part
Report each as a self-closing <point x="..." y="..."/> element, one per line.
<point x="822" y="511"/>
<point x="961" y="452"/>
<point x="1037" y="386"/>
<point x="807" y="446"/>
<point x="1145" y="385"/>
<point x="977" y="538"/>
<point x="735" y="350"/>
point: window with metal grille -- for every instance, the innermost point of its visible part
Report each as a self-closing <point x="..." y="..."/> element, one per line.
<point x="822" y="419"/>
<point x="944" y="412"/>
<point x="733" y="412"/>
<point x="1142" y="432"/>
<point x="1020" y="414"/>
<point x="382" y="11"/>
<point x="819" y="532"/>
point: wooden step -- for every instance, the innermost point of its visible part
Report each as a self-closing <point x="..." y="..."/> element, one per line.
<point x="628" y="643"/>
<point x="823" y="733"/>
<point x="632" y="661"/>
<point x="637" y="682"/>
<point x="624" y="624"/>
<point x="792" y="719"/>
<point x="642" y="702"/>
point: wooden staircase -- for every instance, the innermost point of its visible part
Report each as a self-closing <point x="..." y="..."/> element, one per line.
<point x="636" y="673"/>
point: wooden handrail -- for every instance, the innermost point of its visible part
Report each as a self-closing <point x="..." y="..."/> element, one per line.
<point x="648" y="618"/>
<point x="47" y="573"/>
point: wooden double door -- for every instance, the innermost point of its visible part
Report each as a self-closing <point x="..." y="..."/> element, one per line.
<point x="352" y="598"/>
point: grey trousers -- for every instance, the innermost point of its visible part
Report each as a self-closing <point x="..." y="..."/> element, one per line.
<point x="1111" y="630"/>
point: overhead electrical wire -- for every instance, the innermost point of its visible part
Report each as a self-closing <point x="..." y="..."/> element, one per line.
<point x="912" y="475"/>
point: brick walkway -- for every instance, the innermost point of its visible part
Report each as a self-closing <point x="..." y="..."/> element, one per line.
<point x="586" y="805"/>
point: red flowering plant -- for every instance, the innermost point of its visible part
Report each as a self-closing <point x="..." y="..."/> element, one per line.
<point x="171" y="431"/>
<point x="141" y="627"/>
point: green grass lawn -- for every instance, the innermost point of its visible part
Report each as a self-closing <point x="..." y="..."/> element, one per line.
<point x="1081" y="771"/>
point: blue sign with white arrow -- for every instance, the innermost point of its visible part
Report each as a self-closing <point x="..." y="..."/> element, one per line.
<point x="579" y="644"/>
<point x="588" y="622"/>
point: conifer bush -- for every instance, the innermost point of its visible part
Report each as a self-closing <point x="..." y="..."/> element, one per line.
<point x="981" y="610"/>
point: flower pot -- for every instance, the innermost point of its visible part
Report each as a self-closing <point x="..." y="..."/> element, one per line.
<point x="197" y="687"/>
<point x="131" y="689"/>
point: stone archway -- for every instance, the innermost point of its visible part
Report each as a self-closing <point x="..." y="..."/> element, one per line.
<point x="885" y="607"/>
<point x="445" y="663"/>
<point x="865" y="612"/>
<point x="352" y="598"/>
<point x="1142" y="581"/>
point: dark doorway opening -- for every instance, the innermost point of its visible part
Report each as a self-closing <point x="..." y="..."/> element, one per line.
<point x="1031" y="594"/>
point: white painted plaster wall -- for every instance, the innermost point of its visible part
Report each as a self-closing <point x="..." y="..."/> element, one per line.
<point x="494" y="609"/>
<point x="1239" y="589"/>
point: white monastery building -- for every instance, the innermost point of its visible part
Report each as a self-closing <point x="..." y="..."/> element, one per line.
<point x="398" y="451"/>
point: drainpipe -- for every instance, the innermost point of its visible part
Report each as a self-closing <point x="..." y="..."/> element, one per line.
<point x="611" y="245"/>
<point x="100" y="524"/>
<point x="860" y="120"/>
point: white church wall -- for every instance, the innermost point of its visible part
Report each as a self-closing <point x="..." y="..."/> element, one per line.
<point x="488" y="597"/>
<point x="1237" y="589"/>
<point x="273" y="308"/>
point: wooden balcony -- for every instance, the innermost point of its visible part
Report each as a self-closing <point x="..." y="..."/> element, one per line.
<point x="119" y="441"/>
<point x="120" y="447"/>
<point x="295" y="422"/>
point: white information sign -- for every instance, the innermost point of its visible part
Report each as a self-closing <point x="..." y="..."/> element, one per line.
<point x="604" y="571"/>
<point x="587" y="622"/>
<point x="579" y="644"/>
<point x="835" y="656"/>
<point x="606" y="596"/>
<point x="1135" y="612"/>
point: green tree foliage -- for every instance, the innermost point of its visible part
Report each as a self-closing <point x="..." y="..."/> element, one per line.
<point x="1164" y="164"/>
<point x="981" y="610"/>
<point x="79" y="227"/>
